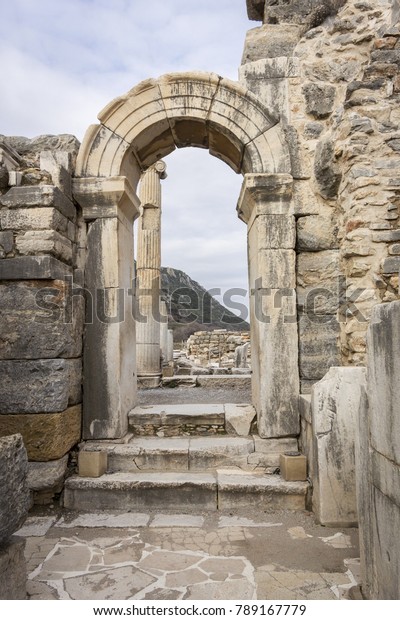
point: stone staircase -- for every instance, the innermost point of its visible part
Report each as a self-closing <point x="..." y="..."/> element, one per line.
<point x="184" y="457"/>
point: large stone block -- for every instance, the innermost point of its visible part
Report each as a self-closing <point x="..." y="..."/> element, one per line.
<point x="15" y="498"/>
<point x="383" y="383"/>
<point x="39" y="386"/>
<point x="320" y="99"/>
<point x="38" y="218"/>
<point x="33" y="268"/>
<point x="13" y="570"/>
<point x="318" y="281"/>
<point x="273" y="232"/>
<point x="45" y="242"/>
<point x="365" y="498"/>
<point x="316" y="233"/>
<point x="275" y="378"/>
<point x="40" y="319"/>
<point x="319" y="345"/>
<point x="45" y="479"/>
<point x="39" y="196"/>
<point x="270" y="42"/>
<point x="335" y="406"/>
<point x="326" y="169"/>
<point x="47" y="436"/>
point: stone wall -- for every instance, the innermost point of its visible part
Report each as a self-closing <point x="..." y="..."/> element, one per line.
<point x="216" y="347"/>
<point x="15" y="501"/>
<point x="42" y="249"/>
<point x="333" y="81"/>
<point x="378" y="458"/>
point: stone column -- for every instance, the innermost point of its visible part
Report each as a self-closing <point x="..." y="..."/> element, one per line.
<point x="164" y="332"/>
<point x="265" y="206"/>
<point x="148" y="268"/>
<point x="109" y="206"/>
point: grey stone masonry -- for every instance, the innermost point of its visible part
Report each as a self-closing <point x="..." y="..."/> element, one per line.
<point x="15" y="498"/>
<point x="378" y="458"/>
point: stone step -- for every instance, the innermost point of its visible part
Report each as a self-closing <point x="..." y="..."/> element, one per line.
<point x="224" y="489"/>
<point x="175" y="453"/>
<point x="191" y="453"/>
<point x="174" y="420"/>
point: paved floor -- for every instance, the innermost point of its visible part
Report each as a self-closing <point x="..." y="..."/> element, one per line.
<point x="120" y="556"/>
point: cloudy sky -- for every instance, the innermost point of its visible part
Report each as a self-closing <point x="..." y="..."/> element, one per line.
<point x="64" y="60"/>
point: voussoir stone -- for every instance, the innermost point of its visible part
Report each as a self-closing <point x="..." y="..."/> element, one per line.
<point x="15" y="498"/>
<point x="47" y="436"/>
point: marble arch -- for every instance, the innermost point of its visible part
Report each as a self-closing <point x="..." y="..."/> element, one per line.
<point x="136" y="130"/>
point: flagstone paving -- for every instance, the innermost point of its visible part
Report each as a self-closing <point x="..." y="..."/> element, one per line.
<point x="280" y="555"/>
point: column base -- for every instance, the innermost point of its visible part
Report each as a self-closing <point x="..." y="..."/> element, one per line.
<point x="149" y="381"/>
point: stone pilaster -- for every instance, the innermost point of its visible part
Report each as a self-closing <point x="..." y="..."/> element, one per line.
<point x="148" y="349"/>
<point x="109" y="206"/>
<point x="265" y="205"/>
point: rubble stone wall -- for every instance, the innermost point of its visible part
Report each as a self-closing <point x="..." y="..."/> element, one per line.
<point x="335" y="85"/>
<point x="42" y="254"/>
<point x="217" y="346"/>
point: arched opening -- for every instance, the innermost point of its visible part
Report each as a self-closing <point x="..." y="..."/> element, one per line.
<point x="200" y="247"/>
<point x="135" y="131"/>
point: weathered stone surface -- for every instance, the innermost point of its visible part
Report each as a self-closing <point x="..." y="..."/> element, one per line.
<point x="13" y="570"/>
<point x="6" y="242"/>
<point x="47" y="436"/>
<point x="238" y="419"/>
<point x="211" y="452"/>
<point x="318" y="283"/>
<point x="224" y="381"/>
<point x="47" y="476"/>
<point x="178" y="414"/>
<point x="383" y="386"/>
<point x="39" y="386"/>
<point x="320" y="99"/>
<point x="309" y="13"/>
<point x="138" y="490"/>
<point x="25" y="146"/>
<point x="326" y="169"/>
<point x="270" y="42"/>
<point x="15" y="498"/>
<point x="243" y="489"/>
<point x="255" y="9"/>
<point x="316" y="233"/>
<point x="319" y="345"/>
<point x="39" y="196"/>
<point x="49" y="330"/>
<point x="45" y="242"/>
<point x="334" y="409"/>
<point x="391" y="265"/>
<point x="33" y="268"/>
<point x="274" y="232"/>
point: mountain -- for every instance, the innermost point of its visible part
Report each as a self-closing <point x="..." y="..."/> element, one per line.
<point x="191" y="308"/>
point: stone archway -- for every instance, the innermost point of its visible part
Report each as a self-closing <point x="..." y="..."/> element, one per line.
<point x="136" y="130"/>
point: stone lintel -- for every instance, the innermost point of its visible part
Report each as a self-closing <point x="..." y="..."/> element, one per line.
<point x="106" y="197"/>
<point x="264" y="194"/>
